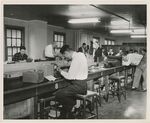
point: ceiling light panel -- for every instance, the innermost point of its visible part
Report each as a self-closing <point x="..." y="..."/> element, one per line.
<point x="84" y="20"/>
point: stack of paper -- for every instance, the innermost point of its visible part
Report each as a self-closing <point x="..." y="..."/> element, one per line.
<point x="50" y="78"/>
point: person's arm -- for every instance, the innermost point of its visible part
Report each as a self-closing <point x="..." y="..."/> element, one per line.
<point x="126" y="61"/>
<point x="26" y="56"/>
<point x="70" y="75"/>
<point x="15" y="57"/>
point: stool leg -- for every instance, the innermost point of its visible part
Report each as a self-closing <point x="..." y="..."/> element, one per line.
<point x="84" y="108"/>
<point x="99" y="100"/>
<point x="41" y="109"/>
<point x="118" y="91"/>
<point x="96" y="108"/>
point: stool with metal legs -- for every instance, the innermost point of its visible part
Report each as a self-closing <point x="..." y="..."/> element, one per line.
<point x="45" y="106"/>
<point x="117" y="86"/>
<point x="85" y="98"/>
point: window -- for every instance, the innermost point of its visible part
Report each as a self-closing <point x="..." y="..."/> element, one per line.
<point x="14" y="38"/>
<point x="109" y="42"/>
<point x="59" y="39"/>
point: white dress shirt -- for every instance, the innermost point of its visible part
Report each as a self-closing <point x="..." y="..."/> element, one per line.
<point x="49" y="51"/>
<point x="132" y="58"/>
<point x="78" y="69"/>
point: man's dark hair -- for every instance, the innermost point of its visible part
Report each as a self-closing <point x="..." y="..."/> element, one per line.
<point x="144" y="50"/>
<point x="135" y="51"/>
<point x="22" y="48"/>
<point x="131" y="50"/>
<point x="84" y="44"/>
<point x="64" y="48"/>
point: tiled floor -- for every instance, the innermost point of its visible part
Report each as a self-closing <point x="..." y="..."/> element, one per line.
<point x="134" y="107"/>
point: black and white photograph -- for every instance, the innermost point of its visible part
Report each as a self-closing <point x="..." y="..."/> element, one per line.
<point x="74" y="61"/>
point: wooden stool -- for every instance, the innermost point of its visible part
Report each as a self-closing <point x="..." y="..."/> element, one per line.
<point x="117" y="87"/>
<point x="100" y="87"/>
<point x="85" y="98"/>
<point x="45" y="107"/>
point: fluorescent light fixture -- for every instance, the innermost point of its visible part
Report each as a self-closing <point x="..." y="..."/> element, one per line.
<point x="138" y="36"/>
<point x="141" y="31"/>
<point x="119" y="22"/>
<point x="126" y="31"/>
<point x="84" y="20"/>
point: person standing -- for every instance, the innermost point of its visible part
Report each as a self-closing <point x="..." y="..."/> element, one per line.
<point x="82" y="48"/>
<point x="76" y="76"/>
<point x="98" y="54"/>
<point x="91" y="48"/>
<point x="50" y="51"/>
<point x="141" y="72"/>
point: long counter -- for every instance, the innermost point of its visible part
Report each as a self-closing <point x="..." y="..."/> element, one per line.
<point x="29" y="90"/>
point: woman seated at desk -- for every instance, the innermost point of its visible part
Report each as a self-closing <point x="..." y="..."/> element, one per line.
<point x="20" y="56"/>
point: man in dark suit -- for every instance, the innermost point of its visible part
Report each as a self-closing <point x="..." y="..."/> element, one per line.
<point x="82" y="48"/>
<point x="98" y="55"/>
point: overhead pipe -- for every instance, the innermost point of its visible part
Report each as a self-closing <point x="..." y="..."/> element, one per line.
<point x="110" y="12"/>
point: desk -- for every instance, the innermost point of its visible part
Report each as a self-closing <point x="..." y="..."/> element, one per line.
<point x="33" y="90"/>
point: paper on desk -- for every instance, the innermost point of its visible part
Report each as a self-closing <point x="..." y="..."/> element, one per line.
<point x="50" y="78"/>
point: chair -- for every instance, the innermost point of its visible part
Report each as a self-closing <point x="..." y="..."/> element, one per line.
<point x="85" y="99"/>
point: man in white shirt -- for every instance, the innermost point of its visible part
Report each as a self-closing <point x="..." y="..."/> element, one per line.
<point x="132" y="59"/>
<point x="77" y="75"/>
<point x="49" y="51"/>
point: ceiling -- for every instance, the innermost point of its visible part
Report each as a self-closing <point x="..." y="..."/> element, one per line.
<point x="59" y="15"/>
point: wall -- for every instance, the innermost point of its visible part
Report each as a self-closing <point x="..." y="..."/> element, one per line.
<point x="37" y="38"/>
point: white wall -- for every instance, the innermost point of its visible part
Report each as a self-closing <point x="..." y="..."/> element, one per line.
<point x="37" y="38"/>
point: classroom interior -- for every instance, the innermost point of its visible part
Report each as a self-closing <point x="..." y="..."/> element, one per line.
<point x="29" y="95"/>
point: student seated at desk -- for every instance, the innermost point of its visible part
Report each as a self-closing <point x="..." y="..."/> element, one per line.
<point x="20" y="56"/>
<point x="76" y="76"/>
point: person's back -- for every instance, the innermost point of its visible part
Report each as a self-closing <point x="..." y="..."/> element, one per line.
<point x="133" y="59"/>
<point x="49" y="51"/>
<point x="82" y="68"/>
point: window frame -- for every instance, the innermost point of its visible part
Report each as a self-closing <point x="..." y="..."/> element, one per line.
<point x="111" y="40"/>
<point x="60" y="34"/>
<point x="12" y="27"/>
